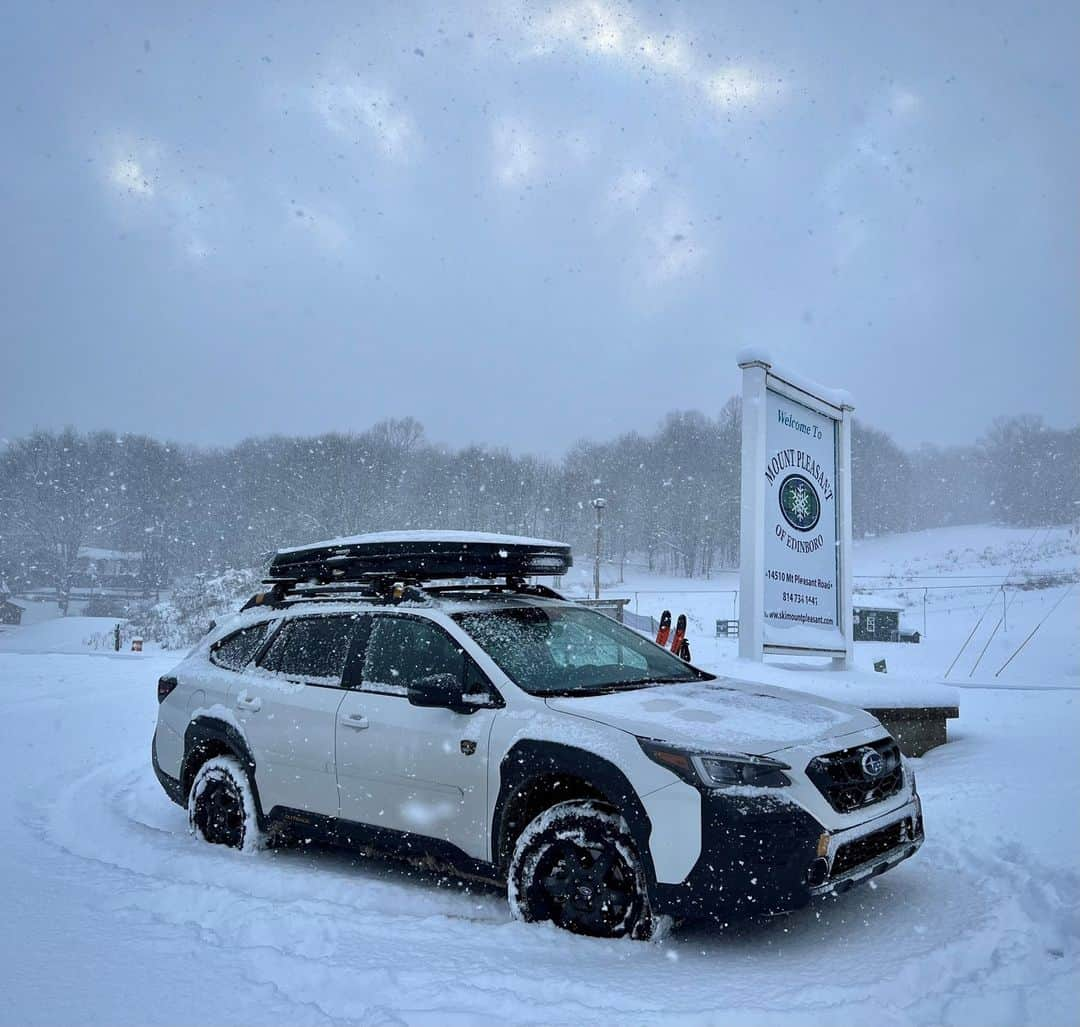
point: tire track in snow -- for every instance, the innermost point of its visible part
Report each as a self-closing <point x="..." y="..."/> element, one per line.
<point x="943" y="938"/>
<point x="305" y="922"/>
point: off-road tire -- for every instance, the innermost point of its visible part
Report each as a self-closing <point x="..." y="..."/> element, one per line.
<point x="221" y="806"/>
<point x="576" y="865"/>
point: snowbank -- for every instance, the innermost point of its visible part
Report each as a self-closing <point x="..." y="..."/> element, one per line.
<point x="60" y="635"/>
<point x="856" y="687"/>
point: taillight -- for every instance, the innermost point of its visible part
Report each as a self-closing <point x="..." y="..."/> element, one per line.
<point x="165" y="686"/>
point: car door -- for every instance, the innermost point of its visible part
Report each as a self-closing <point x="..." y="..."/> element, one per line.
<point x="409" y="768"/>
<point x="287" y="705"/>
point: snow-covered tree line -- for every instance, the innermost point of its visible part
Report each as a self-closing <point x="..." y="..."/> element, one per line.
<point x="672" y="496"/>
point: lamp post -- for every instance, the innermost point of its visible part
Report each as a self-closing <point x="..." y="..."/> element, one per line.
<point x="598" y="506"/>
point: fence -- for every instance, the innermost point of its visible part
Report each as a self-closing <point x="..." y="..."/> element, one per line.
<point x="648" y="625"/>
<point x="916" y="594"/>
<point x="663" y="592"/>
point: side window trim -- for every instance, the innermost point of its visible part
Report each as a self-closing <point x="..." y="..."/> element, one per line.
<point x="352" y="676"/>
<point x="273" y="626"/>
<point x="476" y="678"/>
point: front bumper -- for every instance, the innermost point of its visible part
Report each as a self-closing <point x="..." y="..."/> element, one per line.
<point x="862" y="852"/>
<point x="763" y="855"/>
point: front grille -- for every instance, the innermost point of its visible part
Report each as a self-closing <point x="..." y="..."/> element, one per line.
<point x="872" y="845"/>
<point x="843" y="780"/>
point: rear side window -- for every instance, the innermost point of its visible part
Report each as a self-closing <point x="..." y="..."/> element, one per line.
<point x="311" y="648"/>
<point x="235" y="650"/>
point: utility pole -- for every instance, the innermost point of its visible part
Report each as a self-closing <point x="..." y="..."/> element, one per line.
<point x="598" y="506"/>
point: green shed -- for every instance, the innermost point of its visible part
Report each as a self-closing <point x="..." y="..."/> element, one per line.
<point x="10" y="611"/>
<point x="876" y="619"/>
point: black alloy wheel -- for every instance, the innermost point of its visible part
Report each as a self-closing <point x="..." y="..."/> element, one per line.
<point x="219" y="813"/>
<point x="583" y="888"/>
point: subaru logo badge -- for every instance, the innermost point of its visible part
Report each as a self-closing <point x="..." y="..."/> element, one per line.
<point x="873" y="764"/>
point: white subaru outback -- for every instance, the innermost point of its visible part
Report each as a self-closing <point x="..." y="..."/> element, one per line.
<point x="510" y="734"/>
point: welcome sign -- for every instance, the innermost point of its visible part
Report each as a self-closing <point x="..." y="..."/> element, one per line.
<point x="801" y="594"/>
<point x="795" y="594"/>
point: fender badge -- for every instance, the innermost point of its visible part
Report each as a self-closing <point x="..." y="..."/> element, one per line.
<point x="468" y="746"/>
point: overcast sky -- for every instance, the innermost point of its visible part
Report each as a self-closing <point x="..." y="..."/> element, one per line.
<point x="528" y="225"/>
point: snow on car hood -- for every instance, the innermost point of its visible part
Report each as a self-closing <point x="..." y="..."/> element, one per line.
<point x="721" y="715"/>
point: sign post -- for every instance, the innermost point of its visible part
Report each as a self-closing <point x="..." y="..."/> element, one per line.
<point x="795" y="521"/>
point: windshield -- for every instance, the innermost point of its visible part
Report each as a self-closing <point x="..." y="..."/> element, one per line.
<point x="567" y="650"/>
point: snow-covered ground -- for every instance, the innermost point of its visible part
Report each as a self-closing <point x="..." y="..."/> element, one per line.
<point x="114" y="914"/>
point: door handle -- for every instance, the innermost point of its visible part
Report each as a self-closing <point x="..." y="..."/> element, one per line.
<point x="357" y="721"/>
<point x="248" y="702"/>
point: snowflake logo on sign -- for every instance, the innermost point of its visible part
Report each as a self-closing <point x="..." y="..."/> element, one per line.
<point x="799" y="502"/>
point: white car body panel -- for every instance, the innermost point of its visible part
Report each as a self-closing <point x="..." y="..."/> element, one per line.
<point x="290" y="727"/>
<point x="403" y="767"/>
<point x="200" y="685"/>
<point x="721" y="715"/>
<point x="675" y="842"/>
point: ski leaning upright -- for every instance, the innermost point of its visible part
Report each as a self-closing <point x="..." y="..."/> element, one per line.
<point x="665" y="628"/>
<point x="680" y="634"/>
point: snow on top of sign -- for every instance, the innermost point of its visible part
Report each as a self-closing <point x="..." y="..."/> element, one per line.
<point x="380" y="537"/>
<point x="752" y="355"/>
<point x="837" y="397"/>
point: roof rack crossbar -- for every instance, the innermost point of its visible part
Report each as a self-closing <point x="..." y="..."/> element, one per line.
<point x="511" y="586"/>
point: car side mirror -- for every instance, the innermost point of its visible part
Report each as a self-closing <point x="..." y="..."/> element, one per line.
<point x="440" y="691"/>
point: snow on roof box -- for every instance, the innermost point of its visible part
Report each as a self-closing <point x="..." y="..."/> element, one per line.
<point x="421" y="556"/>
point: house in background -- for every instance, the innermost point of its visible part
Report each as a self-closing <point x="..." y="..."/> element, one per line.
<point x="877" y="619"/>
<point x="10" y="612"/>
<point x="107" y="567"/>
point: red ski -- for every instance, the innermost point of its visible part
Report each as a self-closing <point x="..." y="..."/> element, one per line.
<point x="665" y="628"/>
<point x="684" y="651"/>
<point x="680" y="634"/>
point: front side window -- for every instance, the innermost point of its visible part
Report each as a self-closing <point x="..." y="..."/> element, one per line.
<point x="567" y="650"/>
<point x="235" y="650"/>
<point x="403" y="651"/>
<point x="311" y="648"/>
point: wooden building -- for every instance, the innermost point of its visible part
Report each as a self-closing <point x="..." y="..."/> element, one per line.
<point x="876" y="619"/>
<point x="10" y="612"/>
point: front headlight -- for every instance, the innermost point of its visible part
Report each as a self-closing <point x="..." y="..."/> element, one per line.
<point x="718" y="770"/>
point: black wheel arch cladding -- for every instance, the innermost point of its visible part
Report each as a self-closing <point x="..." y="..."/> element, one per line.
<point x="529" y="761"/>
<point x="207" y="737"/>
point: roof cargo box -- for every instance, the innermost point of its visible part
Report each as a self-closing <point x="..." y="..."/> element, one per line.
<point x="420" y="556"/>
